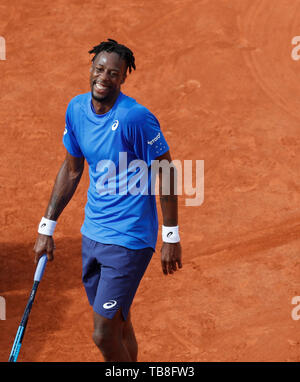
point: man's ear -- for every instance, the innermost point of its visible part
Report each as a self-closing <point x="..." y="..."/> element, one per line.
<point x="124" y="78"/>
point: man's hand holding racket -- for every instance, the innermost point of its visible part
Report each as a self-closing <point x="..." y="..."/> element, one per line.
<point x="44" y="244"/>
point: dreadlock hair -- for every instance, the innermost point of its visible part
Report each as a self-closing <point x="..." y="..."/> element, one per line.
<point x="113" y="46"/>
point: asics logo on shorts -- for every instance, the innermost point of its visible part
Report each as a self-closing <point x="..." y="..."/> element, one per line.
<point x="115" y="125"/>
<point x="109" y="304"/>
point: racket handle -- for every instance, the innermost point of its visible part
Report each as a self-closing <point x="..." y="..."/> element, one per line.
<point x="40" y="268"/>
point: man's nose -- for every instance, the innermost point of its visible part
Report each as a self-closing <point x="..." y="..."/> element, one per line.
<point x="104" y="76"/>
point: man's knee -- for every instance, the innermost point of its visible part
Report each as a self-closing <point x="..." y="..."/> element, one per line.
<point x="106" y="330"/>
<point x="100" y="339"/>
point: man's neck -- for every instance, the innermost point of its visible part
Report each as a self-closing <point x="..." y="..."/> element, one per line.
<point x="105" y="106"/>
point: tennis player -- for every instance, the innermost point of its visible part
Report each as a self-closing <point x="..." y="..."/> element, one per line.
<point x="119" y="232"/>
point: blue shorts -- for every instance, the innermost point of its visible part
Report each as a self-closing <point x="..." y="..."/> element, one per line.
<point x="111" y="275"/>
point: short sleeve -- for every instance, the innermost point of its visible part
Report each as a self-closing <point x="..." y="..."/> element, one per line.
<point x="145" y="135"/>
<point x="69" y="138"/>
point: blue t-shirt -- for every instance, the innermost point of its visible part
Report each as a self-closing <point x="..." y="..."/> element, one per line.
<point x="120" y="208"/>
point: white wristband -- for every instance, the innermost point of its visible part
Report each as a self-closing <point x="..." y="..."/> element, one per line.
<point x="170" y="234"/>
<point x="46" y="226"/>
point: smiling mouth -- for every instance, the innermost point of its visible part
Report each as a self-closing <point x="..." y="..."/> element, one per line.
<point x="100" y="87"/>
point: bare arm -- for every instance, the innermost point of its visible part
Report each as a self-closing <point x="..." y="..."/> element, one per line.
<point x="170" y="252"/>
<point x="64" y="187"/>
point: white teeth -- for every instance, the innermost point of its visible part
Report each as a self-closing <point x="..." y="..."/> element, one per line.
<point x="100" y="87"/>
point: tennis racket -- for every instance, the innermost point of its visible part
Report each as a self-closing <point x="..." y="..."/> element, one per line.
<point x="21" y="330"/>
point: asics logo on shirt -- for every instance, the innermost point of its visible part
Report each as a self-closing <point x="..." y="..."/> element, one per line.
<point x="109" y="304"/>
<point x="115" y="125"/>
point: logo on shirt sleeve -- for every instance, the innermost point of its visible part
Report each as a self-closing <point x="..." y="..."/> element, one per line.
<point x="154" y="139"/>
<point x="65" y="131"/>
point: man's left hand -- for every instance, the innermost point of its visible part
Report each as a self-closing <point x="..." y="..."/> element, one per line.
<point x="170" y="257"/>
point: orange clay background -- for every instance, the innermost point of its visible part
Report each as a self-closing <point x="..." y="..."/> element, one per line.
<point x="220" y="77"/>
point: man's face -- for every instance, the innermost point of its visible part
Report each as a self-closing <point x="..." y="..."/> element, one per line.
<point x="108" y="72"/>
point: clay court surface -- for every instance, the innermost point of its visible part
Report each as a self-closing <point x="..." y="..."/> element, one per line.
<point x="219" y="76"/>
